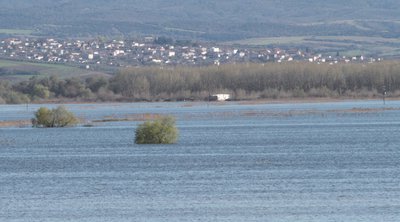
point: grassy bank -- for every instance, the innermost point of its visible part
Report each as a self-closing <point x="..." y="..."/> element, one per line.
<point x="21" y="70"/>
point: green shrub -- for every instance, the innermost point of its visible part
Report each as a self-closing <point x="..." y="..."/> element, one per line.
<point x="16" y="98"/>
<point x="58" y="117"/>
<point x="41" y="91"/>
<point x="159" y="131"/>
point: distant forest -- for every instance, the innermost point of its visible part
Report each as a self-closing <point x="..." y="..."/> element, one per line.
<point x="243" y="82"/>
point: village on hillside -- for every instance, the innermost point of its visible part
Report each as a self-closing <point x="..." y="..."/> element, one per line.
<point x="90" y="54"/>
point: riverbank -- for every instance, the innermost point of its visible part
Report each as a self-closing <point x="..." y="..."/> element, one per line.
<point x="136" y="112"/>
<point x="241" y="101"/>
<point x="15" y="123"/>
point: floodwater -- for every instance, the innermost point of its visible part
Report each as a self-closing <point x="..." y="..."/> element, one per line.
<point x="233" y="162"/>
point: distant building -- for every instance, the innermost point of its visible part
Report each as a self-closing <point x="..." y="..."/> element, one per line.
<point x="171" y="54"/>
<point x="220" y="97"/>
<point x="216" y="49"/>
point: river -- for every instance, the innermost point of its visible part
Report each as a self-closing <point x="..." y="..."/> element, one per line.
<point x="336" y="161"/>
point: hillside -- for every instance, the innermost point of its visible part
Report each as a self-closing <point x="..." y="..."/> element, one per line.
<point x="222" y="20"/>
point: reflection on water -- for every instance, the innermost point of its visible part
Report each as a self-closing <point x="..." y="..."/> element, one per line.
<point x="232" y="163"/>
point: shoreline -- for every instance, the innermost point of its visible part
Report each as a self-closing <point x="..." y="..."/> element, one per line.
<point x="15" y="123"/>
<point x="23" y="123"/>
<point x="239" y="102"/>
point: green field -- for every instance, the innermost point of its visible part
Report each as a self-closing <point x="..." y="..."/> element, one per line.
<point x="183" y="30"/>
<point x="42" y="70"/>
<point x="16" y="31"/>
<point x="271" y="41"/>
<point x="346" y="45"/>
<point x="311" y="39"/>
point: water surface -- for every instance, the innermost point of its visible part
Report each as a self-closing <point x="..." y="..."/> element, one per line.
<point x="265" y="162"/>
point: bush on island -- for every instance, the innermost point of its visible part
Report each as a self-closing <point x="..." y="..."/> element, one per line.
<point x="159" y="131"/>
<point x="58" y="117"/>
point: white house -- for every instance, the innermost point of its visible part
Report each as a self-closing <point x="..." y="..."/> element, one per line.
<point x="221" y="97"/>
<point x="171" y="54"/>
<point x="216" y="49"/>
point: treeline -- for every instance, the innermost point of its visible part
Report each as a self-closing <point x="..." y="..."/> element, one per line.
<point x="49" y="89"/>
<point x="244" y="81"/>
<point x="254" y="81"/>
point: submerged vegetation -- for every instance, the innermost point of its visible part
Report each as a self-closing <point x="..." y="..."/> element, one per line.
<point x="159" y="131"/>
<point x="57" y="117"/>
<point x="243" y="82"/>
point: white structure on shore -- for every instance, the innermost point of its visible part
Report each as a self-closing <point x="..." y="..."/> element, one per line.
<point x="221" y="97"/>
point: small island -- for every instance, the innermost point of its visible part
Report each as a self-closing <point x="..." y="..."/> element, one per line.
<point x="159" y="131"/>
<point x="57" y="117"/>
